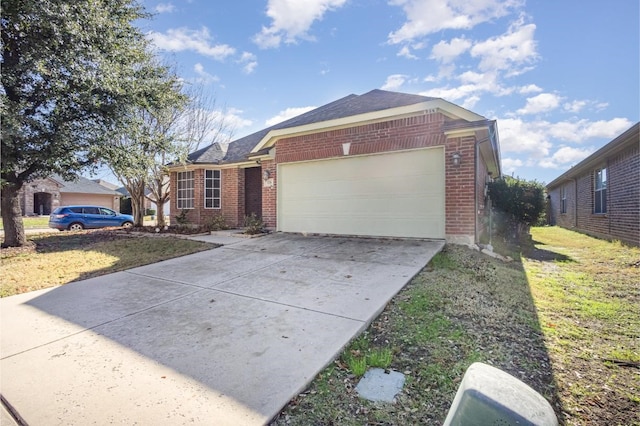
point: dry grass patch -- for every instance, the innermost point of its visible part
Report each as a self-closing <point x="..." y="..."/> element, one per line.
<point x="55" y="259"/>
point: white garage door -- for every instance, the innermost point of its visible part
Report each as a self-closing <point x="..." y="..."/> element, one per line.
<point x="398" y="194"/>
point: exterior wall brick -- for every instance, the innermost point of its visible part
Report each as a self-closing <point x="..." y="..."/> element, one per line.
<point x="622" y="219"/>
<point x="462" y="191"/>
<point x="269" y="194"/>
<point x="567" y="219"/>
<point x="460" y="209"/>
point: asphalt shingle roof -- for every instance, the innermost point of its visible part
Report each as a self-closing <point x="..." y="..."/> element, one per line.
<point x="82" y="186"/>
<point x="375" y="100"/>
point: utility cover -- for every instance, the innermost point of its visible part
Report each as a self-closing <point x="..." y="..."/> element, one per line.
<point x="380" y="385"/>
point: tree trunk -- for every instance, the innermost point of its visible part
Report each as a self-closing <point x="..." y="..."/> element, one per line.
<point x="12" y="217"/>
<point x="160" y="214"/>
<point x="137" y="205"/>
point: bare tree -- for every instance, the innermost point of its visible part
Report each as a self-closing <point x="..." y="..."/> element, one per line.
<point x="187" y="129"/>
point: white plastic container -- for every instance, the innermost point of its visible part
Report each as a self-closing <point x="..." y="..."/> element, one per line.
<point x="489" y="396"/>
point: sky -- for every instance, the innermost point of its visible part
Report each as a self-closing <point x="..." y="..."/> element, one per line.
<point x="560" y="77"/>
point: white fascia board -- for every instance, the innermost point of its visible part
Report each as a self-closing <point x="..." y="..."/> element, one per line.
<point x="436" y="105"/>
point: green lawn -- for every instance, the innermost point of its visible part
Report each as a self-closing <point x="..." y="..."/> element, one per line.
<point x="33" y="222"/>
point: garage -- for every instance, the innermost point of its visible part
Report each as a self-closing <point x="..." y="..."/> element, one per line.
<point x="397" y="194"/>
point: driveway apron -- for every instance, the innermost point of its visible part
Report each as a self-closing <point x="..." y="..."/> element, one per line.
<point x="222" y="337"/>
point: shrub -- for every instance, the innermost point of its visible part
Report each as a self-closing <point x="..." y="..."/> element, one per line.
<point x="519" y="205"/>
<point x="216" y="223"/>
<point x="253" y="224"/>
<point x="182" y="218"/>
<point x="150" y="212"/>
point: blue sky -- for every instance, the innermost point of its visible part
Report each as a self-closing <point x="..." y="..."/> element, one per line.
<point x="561" y="77"/>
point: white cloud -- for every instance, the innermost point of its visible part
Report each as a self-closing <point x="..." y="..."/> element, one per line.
<point x="425" y="17"/>
<point x="164" y="8"/>
<point x="249" y="62"/>
<point x="568" y="154"/>
<point x="394" y="82"/>
<point x="575" y="106"/>
<point x="530" y="88"/>
<point x="232" y="116"/>
<point x="204" y="76"/>
<point x="448" y="52"/>
<point x="509" y="51"/>
<point x="509" y="165"/>
<point x="529" y="138"/>
<point x="287" y="114"/>
<point x="181" y="39"/>
<point x="472" y="85"/>
<point x="582" y="130"/>
<point x="406" y="53"/>
<point x="470" y="102"/>
<point x="291" y="20"/>
<point x="543" y="102"/>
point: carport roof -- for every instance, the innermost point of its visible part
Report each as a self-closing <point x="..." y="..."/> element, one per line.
<point x="375" y="100"/>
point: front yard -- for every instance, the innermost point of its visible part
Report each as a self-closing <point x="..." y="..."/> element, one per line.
<point x="59" y="258"/>
<point x="564" y="318"/>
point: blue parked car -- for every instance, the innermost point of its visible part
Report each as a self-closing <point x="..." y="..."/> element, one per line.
<point x="75" y="218"/>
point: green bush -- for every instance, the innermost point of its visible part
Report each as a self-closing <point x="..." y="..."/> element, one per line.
<point x="519" y="204"/>
<point x="216" y="223"/>
<point x="150" y="212"/>
<point x="253" y="224"/>
<point x="182" y="218"/>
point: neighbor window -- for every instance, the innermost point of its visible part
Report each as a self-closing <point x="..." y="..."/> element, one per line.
<point x="212" y="189"/>
<point x="563" y="199"/>
<point x="184" y="195"/>
<point x="600" y="192"/>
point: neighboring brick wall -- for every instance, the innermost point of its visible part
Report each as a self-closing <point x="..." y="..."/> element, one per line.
<point x="46" y="186"/>
<point x="622" y="220"/>
<point x="567" y="219"/>
<point x="624" y="196"/>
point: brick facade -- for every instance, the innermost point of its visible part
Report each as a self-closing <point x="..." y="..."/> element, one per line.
<point x="622" y="218"/>
<point x="463" y="192"/>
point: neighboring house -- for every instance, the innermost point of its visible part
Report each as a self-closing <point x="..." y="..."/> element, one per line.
<point x="379" y="164"/>
<point x="42" y="196"/>
<point x="600" y="196"/>
<point x="148" y="204"/>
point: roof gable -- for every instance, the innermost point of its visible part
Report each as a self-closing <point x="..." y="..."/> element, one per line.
<point x="349" y="109"/>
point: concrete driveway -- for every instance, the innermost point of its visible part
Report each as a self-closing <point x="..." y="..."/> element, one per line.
<point x="225" y="336"/>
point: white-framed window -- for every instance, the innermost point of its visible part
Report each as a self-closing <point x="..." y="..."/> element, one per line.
<point x="600" y="192"/>
<point x="184" y="194"/>
<point x="563" y="199"/>
<point x="212" y="189"/>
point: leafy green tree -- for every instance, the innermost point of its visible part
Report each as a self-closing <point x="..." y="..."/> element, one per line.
<point x="521" y="203"/>
<point x="144" y="138"/>
<point x="71" y="72"/>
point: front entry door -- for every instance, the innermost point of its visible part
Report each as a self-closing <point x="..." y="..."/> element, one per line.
<point x="253" y="191"/>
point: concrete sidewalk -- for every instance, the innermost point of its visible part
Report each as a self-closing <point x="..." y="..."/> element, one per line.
<point x="226" y="336"/>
